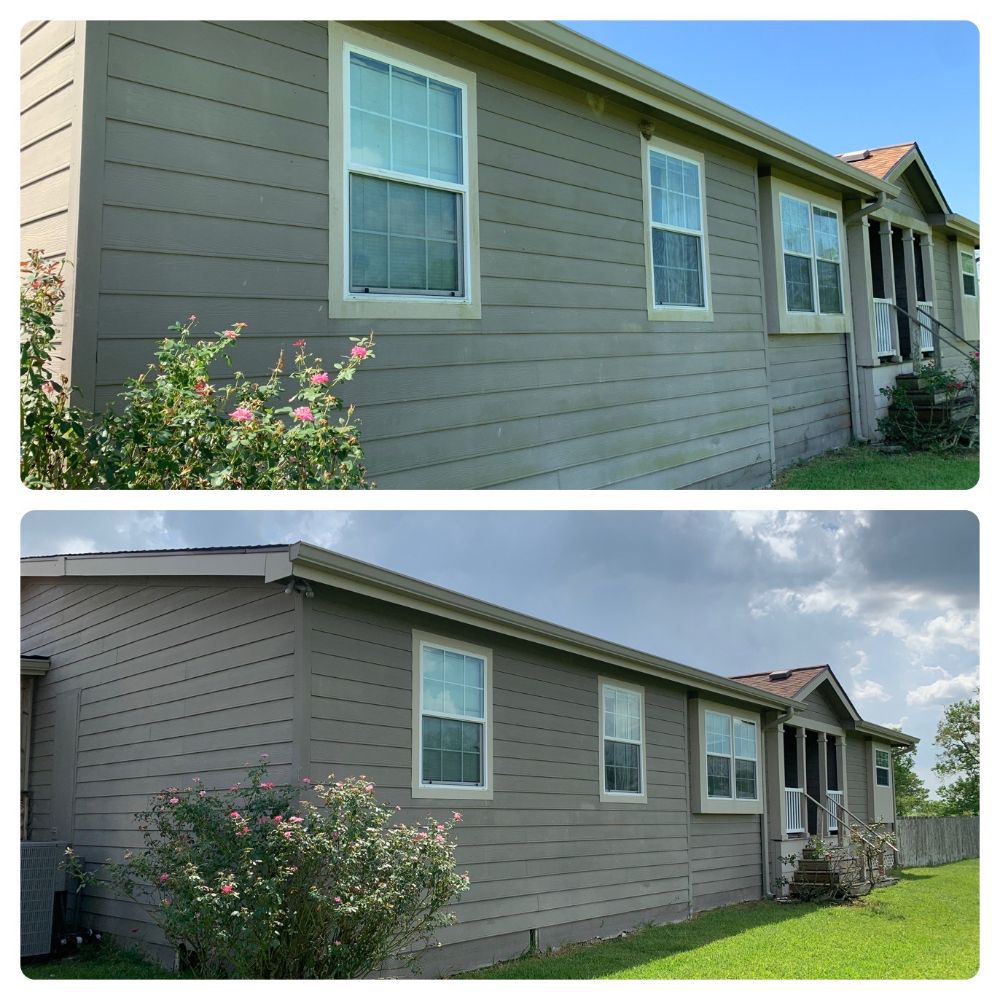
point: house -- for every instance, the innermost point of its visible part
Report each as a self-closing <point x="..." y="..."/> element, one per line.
<point x="601" y="787"/>
<point x="581" y="273"/>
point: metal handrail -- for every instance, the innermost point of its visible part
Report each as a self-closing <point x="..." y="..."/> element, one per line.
<point x="869" y="829"/>
<point x="944" y="326"/>
<point x="937" y="323"/>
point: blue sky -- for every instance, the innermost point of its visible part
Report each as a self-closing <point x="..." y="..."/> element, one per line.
<point x="890" y="599"/>
<point x="839" y="85"/>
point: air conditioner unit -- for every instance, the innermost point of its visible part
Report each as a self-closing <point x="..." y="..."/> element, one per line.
<point x="40" y="878"/>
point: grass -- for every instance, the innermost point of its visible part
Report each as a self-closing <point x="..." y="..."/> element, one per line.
<point x="926" y="927"/>
<point x="859" y="467"/>
<point x="100" y="961"/>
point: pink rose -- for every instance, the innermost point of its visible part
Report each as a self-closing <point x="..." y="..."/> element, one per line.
<point x="298" y="343"/>
<point x="241" y="414"/>
<point x="264" y="756"/>
<point x="202" y="794"/>
<point x="369" y="789"/>
<point x="337" y="943"/>
<point x="277" y="819"/>
<point x="234" y="815"/>
<point x="440" y="827"/>
<point x="337" y="899"/>
<point x="287" y="834"/>
<point x="439" y="839"/>
<point x="192" y="318"/>
<point x="307" y="781"/>
<point x="303" y="413"/>
<point x="164" y="877"/>
<point x="174" y="800"/>
<point x="320" y="378"/>
<point x="357" y="351"/>
<point x="295" y="819"/>
<point x="230" y="334"/>
<point x="48" y="387"/>
<point x="227" y="889"/>
<point x="267" y="784"/>
<point x="458" y="817"/>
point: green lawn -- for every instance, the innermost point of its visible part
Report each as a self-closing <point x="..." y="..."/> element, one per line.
<point x="926" y="927"/>
<point x="101" y="961"/>
<point x="859" y="467"/>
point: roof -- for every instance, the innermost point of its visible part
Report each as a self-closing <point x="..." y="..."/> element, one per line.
<point x="786" y="683"/>
<point x="878" y="161"/>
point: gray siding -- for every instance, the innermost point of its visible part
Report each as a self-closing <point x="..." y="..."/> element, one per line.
<point x="858" y="779"/>
<point x="810" y="395"/>
<point x="151" y="683"/>
<point x="824" y="706"/>
<point x="49" y="95"/>
<point x="215" y="202"/>
<point x="944" y="301"/>
<point x="545" y="853"/>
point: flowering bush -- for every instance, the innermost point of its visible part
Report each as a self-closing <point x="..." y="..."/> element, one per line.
<point x="54" y="435"/>
<point x="247" y="883"/>
<point x="177" y="429"/>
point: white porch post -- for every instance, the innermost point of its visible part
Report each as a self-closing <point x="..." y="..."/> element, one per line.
<point x="910" y="273"/>
<point x="889" y="280"/>
<point x="823" y="819"/>
<point x="779" y="758"/>
<point x="800" y="764"/>
<point x="842" y="783"/>
<point x="930" y="285"/>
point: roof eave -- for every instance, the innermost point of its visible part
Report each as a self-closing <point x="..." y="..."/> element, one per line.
<point x="892" y="736"/>
<point x="321" y="566"/>
<point x="564" y="49"/>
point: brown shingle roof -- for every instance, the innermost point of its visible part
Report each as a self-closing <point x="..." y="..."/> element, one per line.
<point x="777" y="683"/>
<point x="880" y="161"/>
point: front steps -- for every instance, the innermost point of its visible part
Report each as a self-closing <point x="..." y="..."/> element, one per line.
<point x="837" y="874"/>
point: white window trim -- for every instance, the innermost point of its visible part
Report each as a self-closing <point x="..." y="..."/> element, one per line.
<point x="734" y="756"/>
<point x="879" y="767"/>
<point x="962" y="274"/>
<point x="680" y="313"/>
<point x="701" y="802"/>
<point x="640" y="797"/>
<point x="346" y="304"/>
<point x="814" y="260"/>
<point x="439" y="790"/>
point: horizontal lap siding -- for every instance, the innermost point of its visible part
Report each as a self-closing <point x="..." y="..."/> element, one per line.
<point x="810" y="395"/>
<point x="176" y="678"/>
<point x="49" y="94"/>
<point x="545" y="851"/>
<point x="216" y="203"/>
<point x="857" y="777"/>
<point x="822" y="707"/>
<point x="725" y="860"/>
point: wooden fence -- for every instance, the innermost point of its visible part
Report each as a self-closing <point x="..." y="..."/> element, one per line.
<point x="936" y="840"/>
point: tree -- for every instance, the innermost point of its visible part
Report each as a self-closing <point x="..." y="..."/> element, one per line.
<point x="958" y="738"/>
<point x="911" y="792"/>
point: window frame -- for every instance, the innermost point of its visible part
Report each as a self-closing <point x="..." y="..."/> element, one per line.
<point x="397" y="304"/>
<point x="670" y="311"/>
<point x="962" y="254"/>
<point x="734" y="756"/>
<point x="444" y="790"/>
<point x="812" y="257"/>
<point x="640" y="797"/>
<point x="697" y="731"/>
<point x="887" y="767"/>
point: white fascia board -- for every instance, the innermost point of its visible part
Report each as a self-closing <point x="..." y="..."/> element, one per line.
<point x="151" y="564"/>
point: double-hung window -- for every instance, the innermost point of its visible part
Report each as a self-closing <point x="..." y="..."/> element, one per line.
<point x="731" y="756"/>
<point x="968" y="262"/>
<point x="676" y="224"/>
<point x="403" y="152"/>
<point x="451" y="718"/>
<point x="810" y="243"/>
<point x="622" y="757"/>
<point x="882" y="760"/>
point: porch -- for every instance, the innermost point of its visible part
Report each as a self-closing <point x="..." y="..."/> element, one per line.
<point x="813" y="788"/>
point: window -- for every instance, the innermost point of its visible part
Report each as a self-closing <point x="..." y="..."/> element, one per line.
<point x="677" y="236"/>
<point x="622" y="764"/>
<point x="403" y="200"/>
<point x="731" y="756"/>
<point x="451" y="701"/>
<point x="810" y="241"/>
<point x="882" y="768"/>
<point x="968" y="261"/>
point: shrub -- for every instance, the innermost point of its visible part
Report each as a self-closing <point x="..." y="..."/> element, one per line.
<point x="247" y="885"/>
<point x="54" y="433"/>
<point x="177" y="429"/>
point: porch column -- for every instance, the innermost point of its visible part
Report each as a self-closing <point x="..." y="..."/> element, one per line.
<point x="800" y="769"/>
<point x="930" y="285"/>
<point x="910" y="273"/>
<point x="823" y="819"/>
<point x="889" y="280"/>
<point x="779" y="774"/>
<point x="859" y="259"/>
<point x="842" y="768"/>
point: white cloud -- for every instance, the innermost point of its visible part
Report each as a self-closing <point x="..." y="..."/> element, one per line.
<point x="778" y="530"/>
<point x="870" y="690"/>
<point x="946" y="690"/>
<point x="950" y="629"/>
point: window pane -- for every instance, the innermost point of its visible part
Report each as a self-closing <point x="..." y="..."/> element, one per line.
<point x="369" y="260"/>
<point x="431" y="763"/>
<point x="795" y="234"/>
<point x="675" y="189"/>
<point x="621" y="767"/>
<point x="445" y="108"/>
<point x="369" y="139"/>
<point x="445" y="157"/>
<point x="442" y="215"/>
<point x="828" y="277"/>
<point x="717" y="733"/>
<point x="409" y="149"/>
<point x="746" y="779"/>
<point x="451" y="766"/>
<point x="882" y="777"/>
<point x="677" y="270"/>
<point x="969" y="284"/>
<point x="798" y="283"/>
<point x="369" y="84"/>
<point x="719" y="777"/>
<point x="409" y="97"/>
<point x="745" y="739"/>
<point x="882" y="758"/>
<point x="968" y="264"/>
<point x="442" y="266"/>
<point x="827" y="234"/>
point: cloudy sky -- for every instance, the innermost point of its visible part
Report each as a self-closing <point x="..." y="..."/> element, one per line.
<point x="889" y="599"/>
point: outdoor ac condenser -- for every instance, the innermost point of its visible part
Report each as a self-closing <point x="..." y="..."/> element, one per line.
<point x="40" y="877"/>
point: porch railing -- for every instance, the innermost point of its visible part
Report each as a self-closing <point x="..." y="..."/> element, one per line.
<point x="925" y="320"/>
<point x="836" y="801"/>
<point x="793" y="811"/>
<point x="883" y="327"/>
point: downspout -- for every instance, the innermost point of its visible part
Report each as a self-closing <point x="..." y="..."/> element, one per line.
<point x="764" y="831"/>
<point x="852" y="357"/>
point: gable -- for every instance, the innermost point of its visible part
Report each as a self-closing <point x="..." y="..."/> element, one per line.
<point x="826" y="705"/>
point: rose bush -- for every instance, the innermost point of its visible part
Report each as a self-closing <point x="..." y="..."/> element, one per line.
<point x="249" y="883"/>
